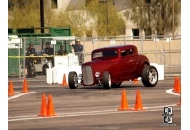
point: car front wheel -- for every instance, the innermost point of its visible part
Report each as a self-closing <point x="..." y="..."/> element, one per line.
<point x="106" y="80"/>
<point x="73" y="80"/>
<point x="149" y="76"/>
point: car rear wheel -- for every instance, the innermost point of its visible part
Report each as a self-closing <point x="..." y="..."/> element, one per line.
<point x="149" y="76"/>
<point x="116" y="85"/>
<point x="73" y="80"/>
<point x="106" y="80"/>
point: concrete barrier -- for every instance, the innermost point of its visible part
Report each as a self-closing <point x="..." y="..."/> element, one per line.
<point x="55" y="74"/>
<point x="49" y="75"/>
<point x="160" y="69"/>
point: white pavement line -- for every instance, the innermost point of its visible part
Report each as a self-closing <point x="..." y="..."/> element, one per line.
<point x="170" y="91"/>
<point x="22" y="116"/>
<point x="91" y="112"/>
<point x="162" y="109"/>
<point x="18" y="95"/>
<point x="19" y="118"/>
<point x="160" y="106"/>
<point x="70" y="115"/>
<point x="67" y="113"/>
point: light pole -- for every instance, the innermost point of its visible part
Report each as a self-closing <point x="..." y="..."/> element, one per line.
<point x="107" y="14"/>
<point x="42" y="18"/>
<point x="173" y="17"/>
<point x="42" y="15"/>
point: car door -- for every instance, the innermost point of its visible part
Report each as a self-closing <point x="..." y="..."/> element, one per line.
<point x="128" y="63"/>
<point x="123" y="64"/>
<point x="132" y="65"/>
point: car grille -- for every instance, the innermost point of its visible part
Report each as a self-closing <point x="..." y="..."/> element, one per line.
<point x="87" y="75"/>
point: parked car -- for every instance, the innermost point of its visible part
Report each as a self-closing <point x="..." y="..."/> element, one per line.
<point x="110" y="66"/>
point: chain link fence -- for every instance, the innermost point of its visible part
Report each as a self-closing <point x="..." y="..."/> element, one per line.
<point x="163" y="50"/>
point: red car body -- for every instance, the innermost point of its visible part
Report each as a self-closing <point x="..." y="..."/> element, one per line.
<point x="122" y="62"/>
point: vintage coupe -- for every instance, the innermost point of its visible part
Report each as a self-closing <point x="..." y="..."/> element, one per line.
<point x="110" y="66"/>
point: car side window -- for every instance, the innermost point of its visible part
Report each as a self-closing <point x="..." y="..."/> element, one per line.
<point x="123" y="53"/>
<point x="127" y="52"/>
<point x="131" y="51"/>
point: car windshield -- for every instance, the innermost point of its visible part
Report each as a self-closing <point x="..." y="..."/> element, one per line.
<point x="105" y="54"/>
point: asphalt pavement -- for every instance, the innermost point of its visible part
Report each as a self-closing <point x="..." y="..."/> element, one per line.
<point x="93" y="107"/>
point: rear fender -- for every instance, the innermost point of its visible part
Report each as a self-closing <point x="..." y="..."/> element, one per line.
<point x="141" y="68"/>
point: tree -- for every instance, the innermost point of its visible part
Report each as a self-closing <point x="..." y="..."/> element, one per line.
<point x="108" y="22"/>
<point x="24" y="16"/>
<point x="28" y="15"/>
<point x="83" y="20"/>
<point x="163" y="15"/>
<point x="79" y="20"/>
<point x="18" y="3"/>
<point x="154" y="16"/>
<point x="51" y="18"/>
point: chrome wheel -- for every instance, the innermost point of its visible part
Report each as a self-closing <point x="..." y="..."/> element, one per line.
<point x="149" y="76"/>
<point x="106" y="80"/>
<point x="109" y="80"/>
<point x="75" y="80"/>
<point x="153" y="76"/>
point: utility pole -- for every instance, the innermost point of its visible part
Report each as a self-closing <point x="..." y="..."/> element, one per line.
<point x="107" y="15"/>
<point x="173" y="17"/>
<point x="42" y="18"/>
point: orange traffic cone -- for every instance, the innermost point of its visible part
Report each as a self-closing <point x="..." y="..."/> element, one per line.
<point x="124" y="102"/>
<point x="50" y="107"/>
<point x="177" y="86"/>
<point x="11" y="90"/>
<point x="138" y="102"/>
<point x="43" y="106"/>
<point x="25" y="87"/>
<point x="135" y="81"/>
<point x="64" y="83"/>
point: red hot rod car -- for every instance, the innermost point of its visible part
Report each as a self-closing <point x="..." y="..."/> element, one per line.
<point x="110" y="66"/>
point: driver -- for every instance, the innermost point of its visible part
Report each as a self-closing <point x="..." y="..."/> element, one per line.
<point x="127" y="52"/>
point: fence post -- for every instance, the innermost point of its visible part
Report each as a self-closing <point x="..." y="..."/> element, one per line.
<point x="164" y="57"/>
<point x="19" y="70"/>
<point x="124" y="40"/>
<point x="84" y="49"/>
<point x="53" y="64"/>
<point x="169" y="55"/>
<point x="141" y="44"/>
<point x="24" y="43"/>
<point x="156" y="48"/>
